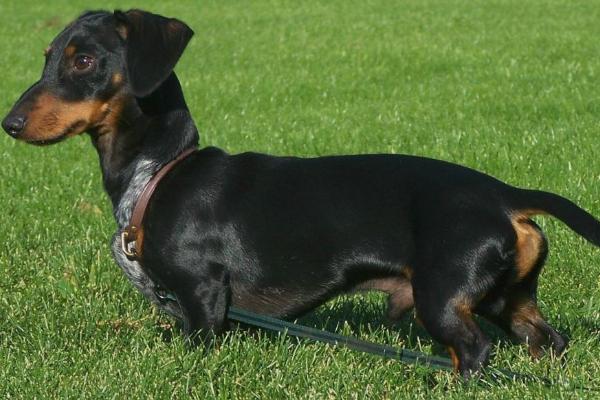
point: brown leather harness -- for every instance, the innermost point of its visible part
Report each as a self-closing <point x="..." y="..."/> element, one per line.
<point x="133" y="235"/>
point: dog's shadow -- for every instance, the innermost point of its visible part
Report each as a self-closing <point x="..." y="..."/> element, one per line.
<point x="359" y="316"/>
<point x="356" y="316"/>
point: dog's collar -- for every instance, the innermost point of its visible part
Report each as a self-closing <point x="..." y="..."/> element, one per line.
<point x="133" y="234"/>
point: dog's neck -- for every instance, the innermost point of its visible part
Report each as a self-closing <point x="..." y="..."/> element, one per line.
<point x="146" y="134"/>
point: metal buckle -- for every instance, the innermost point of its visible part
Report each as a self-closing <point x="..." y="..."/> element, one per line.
<point x="128" y="246"/>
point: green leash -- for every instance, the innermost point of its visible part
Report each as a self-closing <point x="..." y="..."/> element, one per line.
<point x="385" y="351"/>
<point x="316" y="335"/>
<point x="403" y="355"/>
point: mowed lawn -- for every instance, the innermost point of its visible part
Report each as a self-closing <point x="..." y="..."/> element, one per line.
<point x="511" y="88"/>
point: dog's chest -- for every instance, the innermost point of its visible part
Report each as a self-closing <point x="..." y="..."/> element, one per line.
<point x="133" y="269"/>
<point x="141" y="280"/>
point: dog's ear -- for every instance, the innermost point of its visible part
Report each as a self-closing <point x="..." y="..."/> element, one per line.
<point x="153" y="45"/>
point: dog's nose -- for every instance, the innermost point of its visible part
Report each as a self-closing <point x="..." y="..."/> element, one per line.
<point x="13" y="124"/>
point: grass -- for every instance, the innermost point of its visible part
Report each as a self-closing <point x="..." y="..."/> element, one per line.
<point x="506" y="87"/>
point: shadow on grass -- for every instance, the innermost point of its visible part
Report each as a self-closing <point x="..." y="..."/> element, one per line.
<point x="358" y="317"/>
<point x="354" y="316"/>
<point x="362" y="315"/>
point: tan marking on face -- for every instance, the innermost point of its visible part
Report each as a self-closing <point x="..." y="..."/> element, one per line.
<point x="105" y="131"/>
<point x="122" y="31"/>
<point x="108" y="123"/>
<point x="117" y="78"/>
<point x="528" y="246"/>
<point x="52" y="118"/>
<point x="173" y="27"/>
<point x="70" y="51"/>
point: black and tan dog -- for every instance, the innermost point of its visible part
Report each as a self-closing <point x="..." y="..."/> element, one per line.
<point x="282" y="235"/>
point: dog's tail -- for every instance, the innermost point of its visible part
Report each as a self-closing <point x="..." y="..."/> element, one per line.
<point x="532" y="202"/>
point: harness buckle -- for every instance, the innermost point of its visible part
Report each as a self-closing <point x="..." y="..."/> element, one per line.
<point x="128" y="244"/>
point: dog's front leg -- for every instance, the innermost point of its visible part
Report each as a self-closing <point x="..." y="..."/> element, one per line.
<point x="204" y="298"/>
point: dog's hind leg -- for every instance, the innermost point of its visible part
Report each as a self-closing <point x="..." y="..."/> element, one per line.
<point x="517" y="313"/>
<point x="448" y="319"/>
<point x="459" y="263"/>
<point x="526" y="323"/>
<point x="400" y="296"/>
<point x="514" y="307"/>
<point x="400" y="301"/>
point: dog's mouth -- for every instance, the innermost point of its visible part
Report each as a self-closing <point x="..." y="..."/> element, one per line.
<point x="45" y="142"/>
<point x="73" y="129"/>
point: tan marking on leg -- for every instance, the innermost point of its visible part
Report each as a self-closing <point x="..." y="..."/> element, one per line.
<point x="454" y="358"/>
<point x="400" y="301"/>
<point x="407" y="272"/>
<point x="463" y="306"/>
<point x="525" y="316"/>
<point x="385" y="284"/>
<point x="528" y="212"/>
<point x="419" y="321"/>
<point x="528" y="314"/>
<point x="527" y="311"/>
<point x="528" y="245"/>
<point x="399" y="289"/>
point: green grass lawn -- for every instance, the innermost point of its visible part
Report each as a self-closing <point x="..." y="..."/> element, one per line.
<point x="511" y="88"/>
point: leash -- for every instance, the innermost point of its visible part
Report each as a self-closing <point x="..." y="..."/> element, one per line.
<point x="131" y="243"/>
<point x="405" y="356"/>
<point x="385" y="351"/>
<point x="317" y="335"/>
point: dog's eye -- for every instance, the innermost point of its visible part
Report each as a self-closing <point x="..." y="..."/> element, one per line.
<point x="83" y="63"/>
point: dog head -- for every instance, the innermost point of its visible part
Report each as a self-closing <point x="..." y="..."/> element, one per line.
<point x="95" y="63"/>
